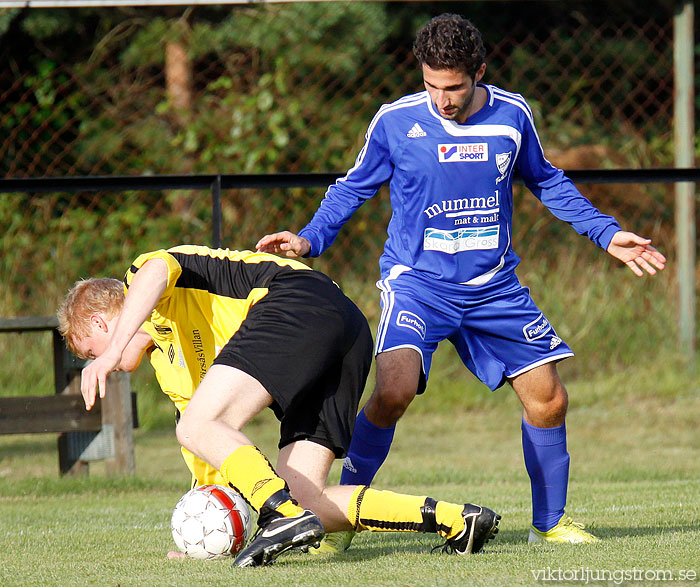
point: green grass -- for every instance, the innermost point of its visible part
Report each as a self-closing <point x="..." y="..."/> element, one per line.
<point x="619" y="326"/>
<point x="633" y="437"/>
<point x="635" y="481"/>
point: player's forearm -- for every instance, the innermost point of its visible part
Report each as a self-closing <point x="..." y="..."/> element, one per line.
<point x="372" y="169"/>
<point x="563" y="199"/>
<point x="144" y="292"/>
<point x="335" y="210"/>
<point x="566" y="203"/>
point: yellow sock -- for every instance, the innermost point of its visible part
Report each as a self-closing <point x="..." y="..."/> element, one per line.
<point x="449" y="515"/>
<point x="386" y="511"/>
<point x="249" y="472"/>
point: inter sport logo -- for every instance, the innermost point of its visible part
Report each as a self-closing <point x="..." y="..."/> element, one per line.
<point x="463" y="153"/>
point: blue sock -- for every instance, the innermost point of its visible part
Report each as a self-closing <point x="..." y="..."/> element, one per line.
<point x="369" y="448"/>
<point x="547" y="463"/>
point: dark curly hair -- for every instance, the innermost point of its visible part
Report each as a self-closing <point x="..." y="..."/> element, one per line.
<point x="450" y="41"/>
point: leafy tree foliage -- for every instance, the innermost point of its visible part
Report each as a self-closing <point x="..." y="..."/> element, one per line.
<point x="278" y="88"/>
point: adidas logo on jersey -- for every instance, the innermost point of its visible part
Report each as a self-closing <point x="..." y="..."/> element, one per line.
<point x="554" y="342"/>
<point x="415" y="132"/>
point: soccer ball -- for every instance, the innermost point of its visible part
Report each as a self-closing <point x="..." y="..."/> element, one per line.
<point x="211" y="522"/>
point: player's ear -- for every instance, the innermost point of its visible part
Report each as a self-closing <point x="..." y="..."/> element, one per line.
<point x="480" y="73"/>
<point x="98" y="321"/>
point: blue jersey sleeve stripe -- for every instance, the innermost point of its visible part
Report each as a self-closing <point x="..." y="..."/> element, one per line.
<point x="515" y="98"/>
<point x="526" y="109"/>
<point x="405" y="102"/>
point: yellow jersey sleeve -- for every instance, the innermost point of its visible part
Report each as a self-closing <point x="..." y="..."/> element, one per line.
<point x="174" y="272"/>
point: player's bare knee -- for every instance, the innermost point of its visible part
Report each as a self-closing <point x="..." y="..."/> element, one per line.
<point x="560" y="403"/>
<point x="181" y="434"/>
<point x="549" y="409"/>
<point x="186" y="433"/>
<point x="392" y="404"/>
<point x="557" y="400"/>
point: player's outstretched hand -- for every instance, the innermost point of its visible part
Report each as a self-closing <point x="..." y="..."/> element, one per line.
<point x="93" y="378"/>
<point x="284" y="243"/>
<point x="636" y="252"/>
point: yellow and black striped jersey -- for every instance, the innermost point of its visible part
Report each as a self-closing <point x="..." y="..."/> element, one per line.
<point x="208" y="295"/>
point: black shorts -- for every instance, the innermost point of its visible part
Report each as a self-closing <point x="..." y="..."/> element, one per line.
<point x="311" y="348"/>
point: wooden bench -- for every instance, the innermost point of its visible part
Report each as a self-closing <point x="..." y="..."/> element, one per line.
<point x="103" y="433"/>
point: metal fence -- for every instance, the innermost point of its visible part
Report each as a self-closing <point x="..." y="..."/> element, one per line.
<point x="92" y="224"/>
<point x="601" y="90"/>
<point x="602" y="94"/>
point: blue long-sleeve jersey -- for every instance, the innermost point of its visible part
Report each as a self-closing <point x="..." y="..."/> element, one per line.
<point x="452" y="188"/>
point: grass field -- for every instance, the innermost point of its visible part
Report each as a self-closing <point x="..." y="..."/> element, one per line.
<point x="633" y="437"/>
<point x="635" y="482"/>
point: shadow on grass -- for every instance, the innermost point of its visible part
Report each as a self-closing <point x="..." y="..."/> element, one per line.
<point x="605" y="533"/>
<point x="609" y="532"/>
<point x="369" y="546"/>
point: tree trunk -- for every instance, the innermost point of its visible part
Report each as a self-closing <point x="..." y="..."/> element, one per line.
<point x="178" y="77"/>
<point x="178" y="83"/>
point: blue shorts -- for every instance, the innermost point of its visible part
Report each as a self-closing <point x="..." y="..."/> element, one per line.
<point x="498" y="331"/>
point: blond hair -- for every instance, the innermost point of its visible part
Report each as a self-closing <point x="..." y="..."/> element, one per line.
<point x="86" y="298"/>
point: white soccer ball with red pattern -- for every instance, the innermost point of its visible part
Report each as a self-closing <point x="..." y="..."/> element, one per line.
<point x="211" y="522"/>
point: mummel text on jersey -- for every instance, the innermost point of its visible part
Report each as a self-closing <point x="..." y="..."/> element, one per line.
<point x="451" y="188"/>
